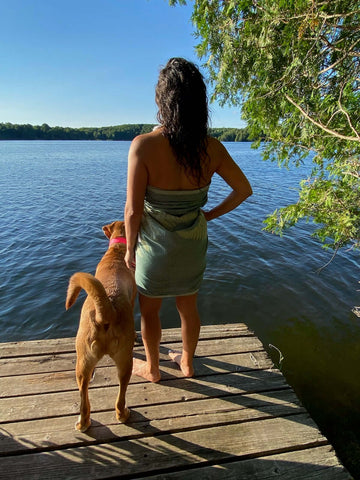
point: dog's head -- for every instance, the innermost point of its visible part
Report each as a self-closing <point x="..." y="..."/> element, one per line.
<point x="114" y="229"/>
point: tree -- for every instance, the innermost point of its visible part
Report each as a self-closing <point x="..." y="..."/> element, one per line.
<point x="294" y="68"/>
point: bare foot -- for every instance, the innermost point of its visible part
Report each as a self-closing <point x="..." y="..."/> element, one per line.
<point x="187" y="370"/>
<point x="142" y="369"/>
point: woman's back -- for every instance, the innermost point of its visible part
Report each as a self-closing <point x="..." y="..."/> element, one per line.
<point x="163" y="169"/>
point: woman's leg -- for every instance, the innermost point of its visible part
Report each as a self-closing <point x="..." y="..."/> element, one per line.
<point x="151" y="335"/>
<point x="190" y="330"/>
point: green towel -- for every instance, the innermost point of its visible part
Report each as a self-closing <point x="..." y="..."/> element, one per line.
<point x="172" y="242"/>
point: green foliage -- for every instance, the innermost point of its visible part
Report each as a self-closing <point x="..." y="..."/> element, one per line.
<point x="9" y="131"/>
<point x="294" y="68"/>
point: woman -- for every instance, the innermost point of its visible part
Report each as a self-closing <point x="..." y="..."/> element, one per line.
<point x="169" y="173"/>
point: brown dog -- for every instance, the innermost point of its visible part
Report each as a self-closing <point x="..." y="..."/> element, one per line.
<point x="106" y="321"/>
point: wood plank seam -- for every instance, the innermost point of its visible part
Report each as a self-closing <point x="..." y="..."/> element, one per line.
<point x="137" y="346"/>
<point x="161" y="473"/>
<point x="220" y="394"/>
<point x="251" y="352"/>
<point x="168" y="403"/>
<point x="165" y="433"/>
<point x="138" y="343"/>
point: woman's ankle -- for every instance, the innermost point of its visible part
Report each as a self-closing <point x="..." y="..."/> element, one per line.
<point x="145" y="370"/>
<point x="184" y="361"/>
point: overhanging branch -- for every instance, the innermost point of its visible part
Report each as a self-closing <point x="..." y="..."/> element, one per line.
<point x="320" y="125"/>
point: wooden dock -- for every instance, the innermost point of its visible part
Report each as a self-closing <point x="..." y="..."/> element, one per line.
<point x="236" y="419"/>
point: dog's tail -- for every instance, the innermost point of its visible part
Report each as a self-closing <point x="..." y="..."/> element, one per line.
<point x="95" y="290"/>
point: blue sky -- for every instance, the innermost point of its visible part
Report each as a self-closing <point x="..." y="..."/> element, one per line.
<point x="91" y="62"/>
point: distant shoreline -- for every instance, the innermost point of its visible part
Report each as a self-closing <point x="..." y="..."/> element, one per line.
<point x="125" y="132"/>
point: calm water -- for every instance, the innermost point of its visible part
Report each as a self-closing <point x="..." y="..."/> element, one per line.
<point x="55" y="197"/>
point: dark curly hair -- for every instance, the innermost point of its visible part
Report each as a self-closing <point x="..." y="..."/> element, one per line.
<point x="183" y="113"/>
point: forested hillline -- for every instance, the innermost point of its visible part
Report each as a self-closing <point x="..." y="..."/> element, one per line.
<point x="9" y="131"/>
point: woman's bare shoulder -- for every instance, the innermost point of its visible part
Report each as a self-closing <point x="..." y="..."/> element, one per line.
<point x="147" y="140"/>
<point x="217" y="153"/>
<point x="215" y="146"/>
<point x="142" y="139"/>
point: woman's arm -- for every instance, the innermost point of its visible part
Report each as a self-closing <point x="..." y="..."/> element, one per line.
<point x="137" y="179"/>
<point x="233" y="176"/>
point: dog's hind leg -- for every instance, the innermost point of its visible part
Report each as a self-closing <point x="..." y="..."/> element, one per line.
<point x="124" y="373"/>
<point x="84" y="370"/>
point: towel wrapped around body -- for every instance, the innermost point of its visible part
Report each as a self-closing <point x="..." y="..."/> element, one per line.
<point x="172" y="242"/>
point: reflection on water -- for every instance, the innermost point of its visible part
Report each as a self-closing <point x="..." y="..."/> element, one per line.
<point x="55" y="197"/>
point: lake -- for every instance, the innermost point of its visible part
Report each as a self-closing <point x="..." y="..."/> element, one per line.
<point x="55" y="196"/>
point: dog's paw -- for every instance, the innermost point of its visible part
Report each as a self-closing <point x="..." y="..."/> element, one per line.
<point x="124" y="417"/>
<point x="80" y="427"/>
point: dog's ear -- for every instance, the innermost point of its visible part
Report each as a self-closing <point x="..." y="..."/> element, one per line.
<point x="108" y="229"/>
<point x="122" y="229"/>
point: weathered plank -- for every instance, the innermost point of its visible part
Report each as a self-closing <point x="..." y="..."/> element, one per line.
<point x="58" y="432"/>
<point x="106" y="376"/>
<point x="37" y="347"/>
<point x="66" y="361"/>
<point x="319" y="463"/>
<point x="67" y="345"/>
<point x="168" y="391"/>
<point x="156" y="453"/>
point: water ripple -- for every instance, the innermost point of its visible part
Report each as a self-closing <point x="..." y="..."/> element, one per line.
<point x="56" y="196"/>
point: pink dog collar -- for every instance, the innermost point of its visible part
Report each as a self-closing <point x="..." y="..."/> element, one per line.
<point x="117" y="240"/>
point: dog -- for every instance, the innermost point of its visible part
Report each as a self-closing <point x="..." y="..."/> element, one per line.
<point x="106" y="321"/>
